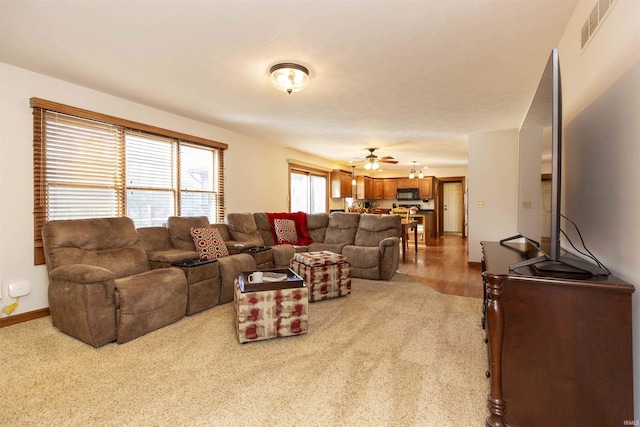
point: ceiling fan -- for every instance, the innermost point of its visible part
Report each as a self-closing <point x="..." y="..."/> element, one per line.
<point x="372" y="161"/>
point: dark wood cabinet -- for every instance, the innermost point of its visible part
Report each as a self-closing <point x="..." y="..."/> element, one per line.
<point x="559" y="349"/>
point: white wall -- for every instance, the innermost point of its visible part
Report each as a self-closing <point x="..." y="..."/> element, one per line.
<point x="601" y="95"/>
<point x="256" y="172"/>
<point x="493" y="188"/>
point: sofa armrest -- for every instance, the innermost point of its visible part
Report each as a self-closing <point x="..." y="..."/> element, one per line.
<point x="389" y="257"/>
<point x="234" y="247"/>
<point x="81" y="273"/>
<point x="282" y="255"/>
<point x="161" y="259"/>
<point x="388" y="242"/>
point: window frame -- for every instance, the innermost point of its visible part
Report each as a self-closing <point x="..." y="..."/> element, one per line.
<point x="308" y="170"/>
<point x="40" y="107"/>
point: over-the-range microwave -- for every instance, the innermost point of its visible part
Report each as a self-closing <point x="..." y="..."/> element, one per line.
<point x="407" y="194"/>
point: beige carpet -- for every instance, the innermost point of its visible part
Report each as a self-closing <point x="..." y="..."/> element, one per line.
<point x="391" y="353"/>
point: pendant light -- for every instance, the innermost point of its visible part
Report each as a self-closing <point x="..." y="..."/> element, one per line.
<point x="412" y="174"/>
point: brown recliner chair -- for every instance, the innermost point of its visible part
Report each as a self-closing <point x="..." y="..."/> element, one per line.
<point x="101" y="287"/>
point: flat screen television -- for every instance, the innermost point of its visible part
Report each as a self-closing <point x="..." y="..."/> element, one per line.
<point x="540" y="177"/>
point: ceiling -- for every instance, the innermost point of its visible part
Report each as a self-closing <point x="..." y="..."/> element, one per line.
<point x="410" y="78"/>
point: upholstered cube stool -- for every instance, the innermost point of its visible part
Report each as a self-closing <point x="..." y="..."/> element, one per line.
<point x="270" y="310"/>
<point x="326" y="274"/>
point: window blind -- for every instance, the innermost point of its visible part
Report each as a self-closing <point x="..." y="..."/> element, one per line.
<point x="151" y="178"/>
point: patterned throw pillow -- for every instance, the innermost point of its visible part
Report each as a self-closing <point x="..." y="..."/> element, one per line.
<point x="285" y="230"/>
<point x="208" y="243"/>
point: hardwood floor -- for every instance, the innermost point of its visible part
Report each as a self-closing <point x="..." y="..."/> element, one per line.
<point x="443" y="266"/>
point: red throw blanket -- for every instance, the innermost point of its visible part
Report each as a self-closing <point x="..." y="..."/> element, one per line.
<point x="300" y="219"/>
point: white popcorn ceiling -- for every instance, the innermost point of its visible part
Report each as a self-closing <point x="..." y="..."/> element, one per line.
<point x="411" y="78"/>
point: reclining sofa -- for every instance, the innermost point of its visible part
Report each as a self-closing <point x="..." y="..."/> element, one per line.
<point x="101" y="285"/>
<point x="110" y="282"/>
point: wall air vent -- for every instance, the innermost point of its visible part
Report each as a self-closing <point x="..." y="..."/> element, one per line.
<point x="595" y="19"/>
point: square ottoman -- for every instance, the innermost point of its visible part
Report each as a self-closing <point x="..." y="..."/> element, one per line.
<point x="326" y="274"/>
<point x="270" y="313"/>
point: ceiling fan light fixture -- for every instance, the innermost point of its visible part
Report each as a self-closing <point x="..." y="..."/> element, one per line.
<point x="289" y="77"/>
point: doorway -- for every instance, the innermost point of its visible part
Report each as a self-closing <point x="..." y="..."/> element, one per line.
<point x="451" y="207"/>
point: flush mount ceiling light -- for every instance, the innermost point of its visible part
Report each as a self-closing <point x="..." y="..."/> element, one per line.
<point x="412" y="174"/>
<point x="289" y="77"/>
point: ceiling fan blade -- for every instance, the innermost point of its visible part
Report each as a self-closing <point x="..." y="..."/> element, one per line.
<point x="389" y="160"/>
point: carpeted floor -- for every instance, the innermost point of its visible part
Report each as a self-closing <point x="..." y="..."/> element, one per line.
<point x="390" y="354"/>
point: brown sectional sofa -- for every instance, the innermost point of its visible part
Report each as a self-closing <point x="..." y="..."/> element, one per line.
<point x="101" y="270"/>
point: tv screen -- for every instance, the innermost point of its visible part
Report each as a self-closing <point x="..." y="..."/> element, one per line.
<point x="539" y="182"/>
<point x="539" y="157"/>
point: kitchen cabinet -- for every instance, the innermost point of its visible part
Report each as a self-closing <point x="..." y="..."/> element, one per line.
<point x="341" y="185"/>
<point x="364" y="188"/>
<point x="378" y="188"/>
<point x="389" y="188"/>
<point x="425" y="187"/>
<point x="407" y="182"/>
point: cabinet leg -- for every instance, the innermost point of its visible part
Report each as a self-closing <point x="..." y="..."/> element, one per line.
<point x="495" y="334"/>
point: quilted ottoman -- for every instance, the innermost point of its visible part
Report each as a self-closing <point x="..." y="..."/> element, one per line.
<point x="272" y="313"/>
<point x="326" y="274"/>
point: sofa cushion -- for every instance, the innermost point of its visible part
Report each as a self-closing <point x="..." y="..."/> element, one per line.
<point x="148" y="301"/>
<point x="264" y="228"/>
<point x="285" y="231"/>
<point x="209" y="243"/>
<point x="317" y="226"/>
<point x="365" y="261"/>
<point x="180" y="230"/>
<point x="230" y="268"/>
<point x="111" y="243"/>
<point x="223" y="229"/>
<point x="373" y="228"/>
<point x="342" y="228"/>
<point x="243" y="228"/>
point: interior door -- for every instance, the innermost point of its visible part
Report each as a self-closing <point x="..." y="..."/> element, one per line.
<point x="452" y="197"/>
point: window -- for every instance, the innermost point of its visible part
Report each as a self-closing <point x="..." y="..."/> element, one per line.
<point x="151" y="180"/>
<point x="308" y="190"/>
<point x="88" y="165"/>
